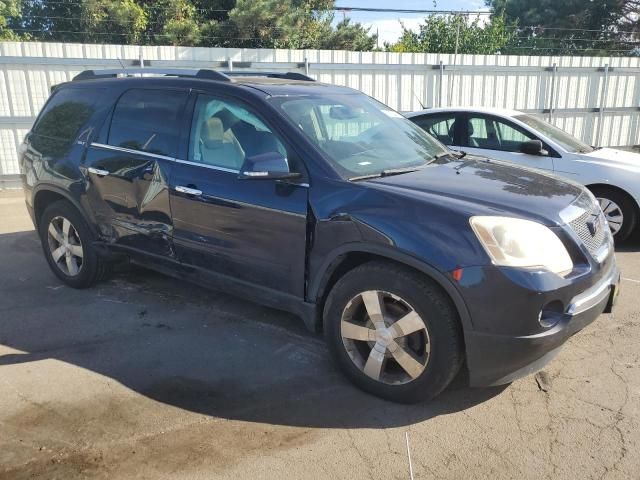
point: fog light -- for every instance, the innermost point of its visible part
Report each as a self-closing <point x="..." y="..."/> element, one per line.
<point x="551" y="314"/>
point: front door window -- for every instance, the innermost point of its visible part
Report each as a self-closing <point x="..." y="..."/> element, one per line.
<point x="224" y="133"/>
<point x="492" y="134"/>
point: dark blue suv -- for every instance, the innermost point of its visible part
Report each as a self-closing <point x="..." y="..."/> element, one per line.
<point x="413" y="259"/>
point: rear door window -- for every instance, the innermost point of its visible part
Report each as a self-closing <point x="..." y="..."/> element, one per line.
<point x="148" y="121"/>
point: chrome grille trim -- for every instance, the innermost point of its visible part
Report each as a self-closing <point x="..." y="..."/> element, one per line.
<point x="579" y="215"/>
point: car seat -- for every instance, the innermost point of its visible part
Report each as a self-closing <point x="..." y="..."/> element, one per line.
<point x="472" y="141"/>
<point x="217" y="150"/>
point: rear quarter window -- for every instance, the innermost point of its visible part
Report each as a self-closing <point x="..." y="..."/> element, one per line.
<point x="62" y="120"/>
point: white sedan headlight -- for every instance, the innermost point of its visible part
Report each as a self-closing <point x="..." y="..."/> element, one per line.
<point x="514" y="242"/>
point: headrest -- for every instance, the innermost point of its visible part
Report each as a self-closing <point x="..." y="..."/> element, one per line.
<point x="228" y="118"/>
<point x="452" y="130"/>
<point x="212" y="133"/>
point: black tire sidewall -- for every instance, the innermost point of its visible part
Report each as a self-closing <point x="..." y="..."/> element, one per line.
<point x="626" y="205"/>
<point x="90" y="260"/>
<point x="432" y="306"/>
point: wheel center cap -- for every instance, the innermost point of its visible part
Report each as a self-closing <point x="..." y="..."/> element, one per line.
<point x="384" y="337"/>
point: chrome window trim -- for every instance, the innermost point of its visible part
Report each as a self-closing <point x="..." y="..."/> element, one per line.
<point x="223" y="169"/>
<point x="204" y="165"/>
<point x="173" y="159"/>
<point x="130" y="150"/>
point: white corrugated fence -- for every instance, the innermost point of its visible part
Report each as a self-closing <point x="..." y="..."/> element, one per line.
<point x="595" y="98"/>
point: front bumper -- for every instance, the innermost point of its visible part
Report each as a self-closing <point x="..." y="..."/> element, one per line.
<point x="495" y="359"/>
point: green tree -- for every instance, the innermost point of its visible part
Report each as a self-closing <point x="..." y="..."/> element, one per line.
<point x="43" y="20"/>
<point x="348" y="36"/>
<point x="441" y="34"/>
<point x="172" y="22"/>
<point x="216" y="30"/>
<point x="631" y="15"/>
<point x="212" y="23"/>
<point x="8" y="9"/>
<point x="281" y="23"/>
<point x="113" y="21"/>
<point x="569" y="27"/>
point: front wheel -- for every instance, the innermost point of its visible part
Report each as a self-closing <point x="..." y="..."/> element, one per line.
<point x="393" y="332"/>
<point x="619" y="210"/>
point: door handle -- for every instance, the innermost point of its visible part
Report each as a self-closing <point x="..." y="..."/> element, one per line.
<point x="189" y="191"/>
<point x="98" y="171"/>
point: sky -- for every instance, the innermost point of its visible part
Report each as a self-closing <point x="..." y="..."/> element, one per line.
<point x="388" y="24"/>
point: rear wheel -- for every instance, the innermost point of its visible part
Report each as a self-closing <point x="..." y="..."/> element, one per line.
<point x="393" y="332"/>
<point x="619" y="210"/>
<point x="67" y="244"/>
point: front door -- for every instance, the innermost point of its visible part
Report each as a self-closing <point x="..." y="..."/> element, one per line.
<point x="250" y="230"/>
<point x="128" y="169"/>
<point x="498" y="138"/>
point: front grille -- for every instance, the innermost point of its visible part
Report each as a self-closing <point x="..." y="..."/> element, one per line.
<point x="590" y="226"/>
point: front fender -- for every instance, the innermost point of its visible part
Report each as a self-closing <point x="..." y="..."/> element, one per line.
<point x="623" y="179"/>
<point x="318" y="282"/>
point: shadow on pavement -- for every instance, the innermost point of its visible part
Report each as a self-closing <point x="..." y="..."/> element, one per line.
<point x="632" y="244"/>
<point x="191" y="348"/>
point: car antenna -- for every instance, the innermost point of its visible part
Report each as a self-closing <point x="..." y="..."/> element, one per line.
<point x="418" y="99"/>
<point x="124" y="69"/>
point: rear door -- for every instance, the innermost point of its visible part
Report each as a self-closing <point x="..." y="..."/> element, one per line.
<point x="499" y="138"/>
<point x="249" y="230"/>
<point x="128" y="168"/>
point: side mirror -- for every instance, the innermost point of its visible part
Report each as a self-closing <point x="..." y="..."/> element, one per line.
<point x="266" y="166"/>
<point x="533" y="147"/>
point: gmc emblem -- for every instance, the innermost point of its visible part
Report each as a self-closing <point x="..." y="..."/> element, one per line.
<point x="594" y="225"/>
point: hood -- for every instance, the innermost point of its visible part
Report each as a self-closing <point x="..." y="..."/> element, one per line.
<point x="488" y="187"/>
<point x="612" y="157"/>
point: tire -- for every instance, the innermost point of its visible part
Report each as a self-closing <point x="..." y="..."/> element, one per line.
<point x="400" y="291"/>
<point x="78" y="263"/>
<point x="615" y="203"/>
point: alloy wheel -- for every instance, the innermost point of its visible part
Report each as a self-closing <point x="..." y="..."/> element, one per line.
<point x="65" y="246"/>
<point x="613" y="214"/>
<point x="385" y="337"/>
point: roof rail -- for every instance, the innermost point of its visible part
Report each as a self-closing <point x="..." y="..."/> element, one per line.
<point x="257" y="73"/>
<point x="172" y="72"/>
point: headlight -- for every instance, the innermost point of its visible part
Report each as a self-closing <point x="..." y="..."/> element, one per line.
<point x="514" y="242"/>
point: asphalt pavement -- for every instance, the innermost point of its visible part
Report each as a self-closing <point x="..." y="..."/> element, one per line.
<point x="144" y="376"/>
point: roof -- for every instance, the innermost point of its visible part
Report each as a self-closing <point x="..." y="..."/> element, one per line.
<point x="281" y="86"/>
<point x="501" y="112"/>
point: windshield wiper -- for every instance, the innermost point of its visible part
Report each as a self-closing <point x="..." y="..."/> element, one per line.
<point x="365" y="177"/>
<point x="452" y="153"/>
<point x="397" y="171"/>
<point x="385" y="173"/>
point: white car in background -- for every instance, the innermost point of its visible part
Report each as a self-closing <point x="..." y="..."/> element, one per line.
<point x="612" y="175"/>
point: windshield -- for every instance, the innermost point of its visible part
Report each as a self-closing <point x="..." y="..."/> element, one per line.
<point x="360" y="136"/>
<point x="562" y="138"/>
